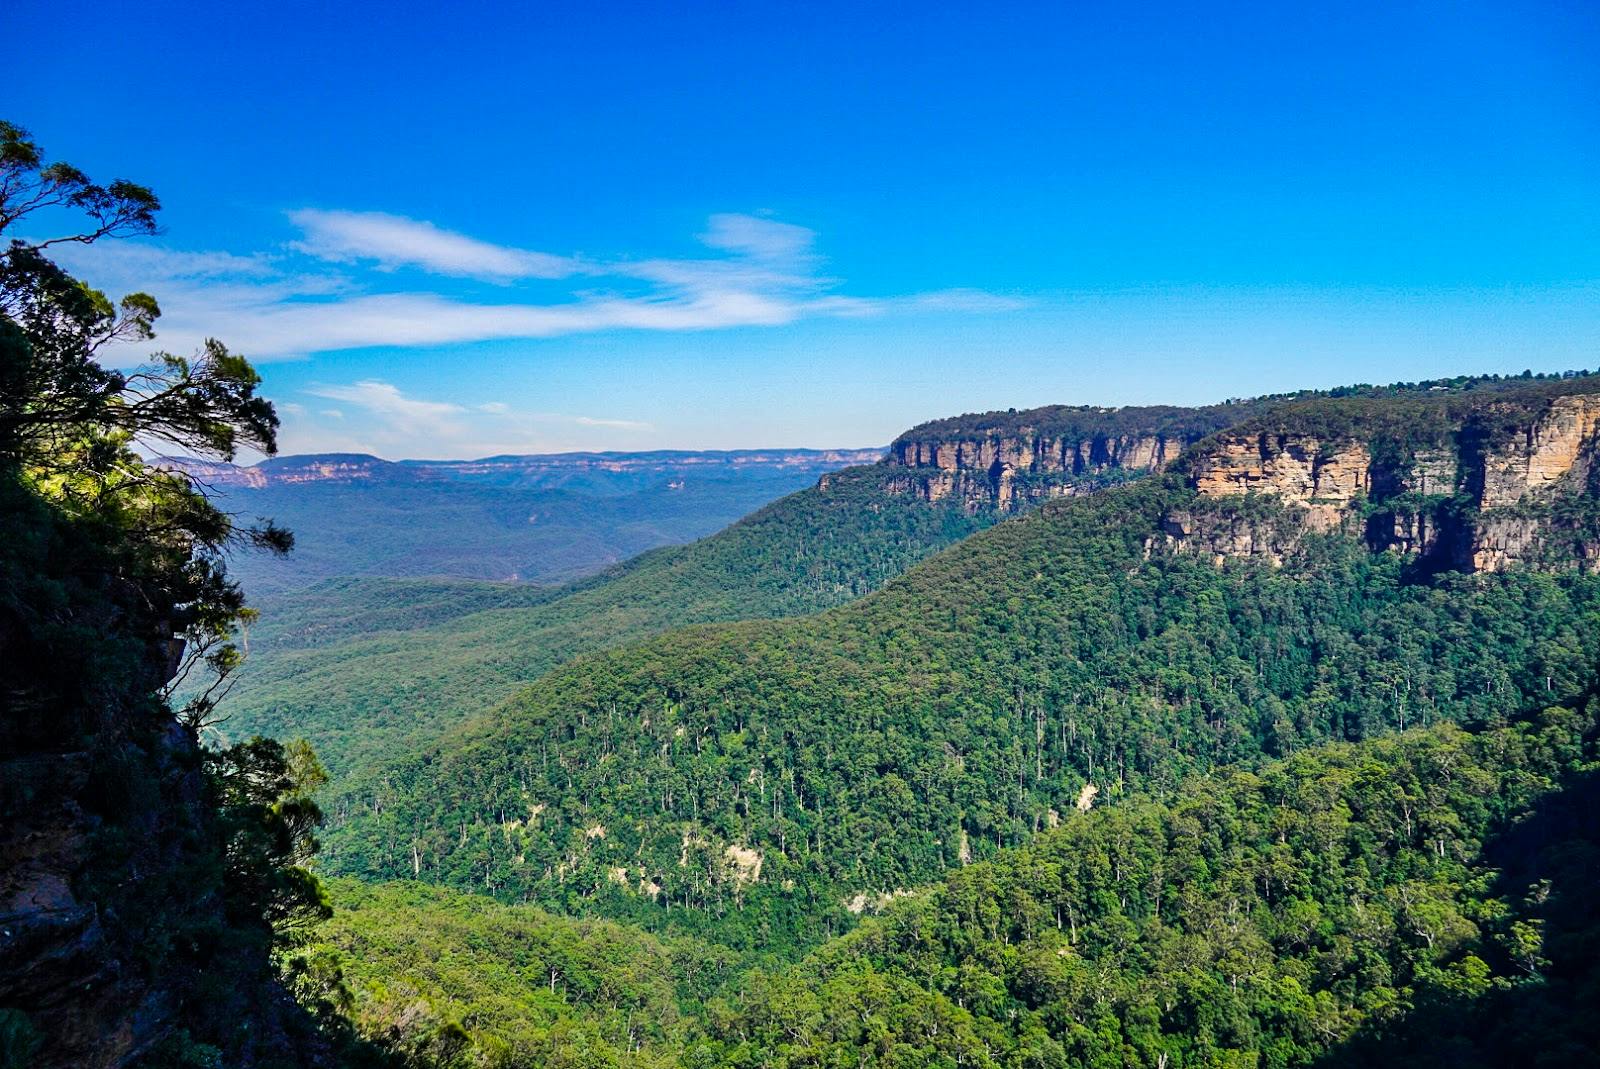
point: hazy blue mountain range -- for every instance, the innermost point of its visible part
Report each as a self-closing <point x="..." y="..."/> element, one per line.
<point x="542" y="518"/>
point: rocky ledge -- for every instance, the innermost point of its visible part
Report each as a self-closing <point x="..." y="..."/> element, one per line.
<point x="1475" y="489"/>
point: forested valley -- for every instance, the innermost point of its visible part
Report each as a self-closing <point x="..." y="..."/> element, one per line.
<point x="1260" y="734"/>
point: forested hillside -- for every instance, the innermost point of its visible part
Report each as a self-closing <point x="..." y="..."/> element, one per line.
<point x="749" y="779"/>
<point x="338" y="610"/>
<point x="397" y="672"/>
<point x="1420" y="899"/>
<point x="371" y="696"/>
<point x="430" y="971"/>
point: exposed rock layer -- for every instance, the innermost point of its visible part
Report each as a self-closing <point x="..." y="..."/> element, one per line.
<point x="1486" y="499"/>
<point x="1007" y="473"/>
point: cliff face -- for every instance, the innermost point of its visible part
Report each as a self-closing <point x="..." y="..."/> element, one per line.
<point x="1503" y="485"/>
<point x="80" y="987"/>
<point x="122" y="935"/>
<point x="1558" y="448"/>
<point x="1009" y="472"/>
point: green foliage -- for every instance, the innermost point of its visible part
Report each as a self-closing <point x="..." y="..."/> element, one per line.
<point x="1257" y="918"/>
<point x="1464" y="415"/>
<point x="181" y="1051"/>
<point x="68" y="425"/>
<point x="186" y="868"/>
<point x="956" y="712"/>
<point x="339" y="610"/>
<point x="264" y="792"/>
<point x="1074" y="423"/>
<point x="1325" y="412"/>
<point x="1423" y="898"/>
<point x="521" y="986"/>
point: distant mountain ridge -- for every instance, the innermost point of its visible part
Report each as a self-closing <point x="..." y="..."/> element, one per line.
<point x="356" y="467"/>
<point x="540" y="518"/>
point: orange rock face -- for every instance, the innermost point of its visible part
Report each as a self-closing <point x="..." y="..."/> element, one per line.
<point x="1325" y="481"/>
<point x="1010" y="472"/>
<point x="1558" y="444"/>
<point x="1298" y="468"/>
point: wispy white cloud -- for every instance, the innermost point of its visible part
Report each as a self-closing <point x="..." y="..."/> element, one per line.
<point x="759" y="272"/>
<point x="401" y="414"/>
<point x="963" y="300"/>
<point x="618" y="424"/>
<point x="761" y="239"/>
<point x="378" y="416"/>
<point x="393" y="241"/>
<point x="126" y="259"/>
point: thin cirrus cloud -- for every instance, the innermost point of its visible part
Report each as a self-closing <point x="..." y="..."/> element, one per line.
<point x="758" y="238"/>
<point x="615" y="424"/>
<point x="334" y="287"/>
<point x="385" y="399"/>
<point x="393" y="241"/>
<point x="391" y="420"/>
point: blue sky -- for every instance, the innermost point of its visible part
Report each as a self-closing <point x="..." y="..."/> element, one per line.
<point x="496" y="228"/>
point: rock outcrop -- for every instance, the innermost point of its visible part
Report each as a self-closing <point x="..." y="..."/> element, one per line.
<point x="1497" y="485"/>
<point x="59" y="963"/>
<point x="1557" y="448"/>
<point x="117" y="929"/>
<point x="1009" y="472"/>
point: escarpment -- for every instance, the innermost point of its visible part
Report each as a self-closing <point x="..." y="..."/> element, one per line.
<point x="1471" y="484"/>
<point x="1006" y="461"/>
<point x="1008" y="472"/>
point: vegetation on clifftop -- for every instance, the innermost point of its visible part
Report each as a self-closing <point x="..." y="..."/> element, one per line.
<point x="1088" y="422"/>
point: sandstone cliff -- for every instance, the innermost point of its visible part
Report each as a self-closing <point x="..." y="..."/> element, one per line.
<point x="1467" y="484"/>
<point x="1007" y="473"/>
<point x="1006" y="461"/>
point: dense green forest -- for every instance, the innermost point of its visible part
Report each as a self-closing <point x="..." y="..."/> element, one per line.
<point x="1426" y="899"/>
<point x="337" y="610"/>
<point x="424" y="967"/>
<point x="752" y="782"/>
<point x="1423" y="899"/>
